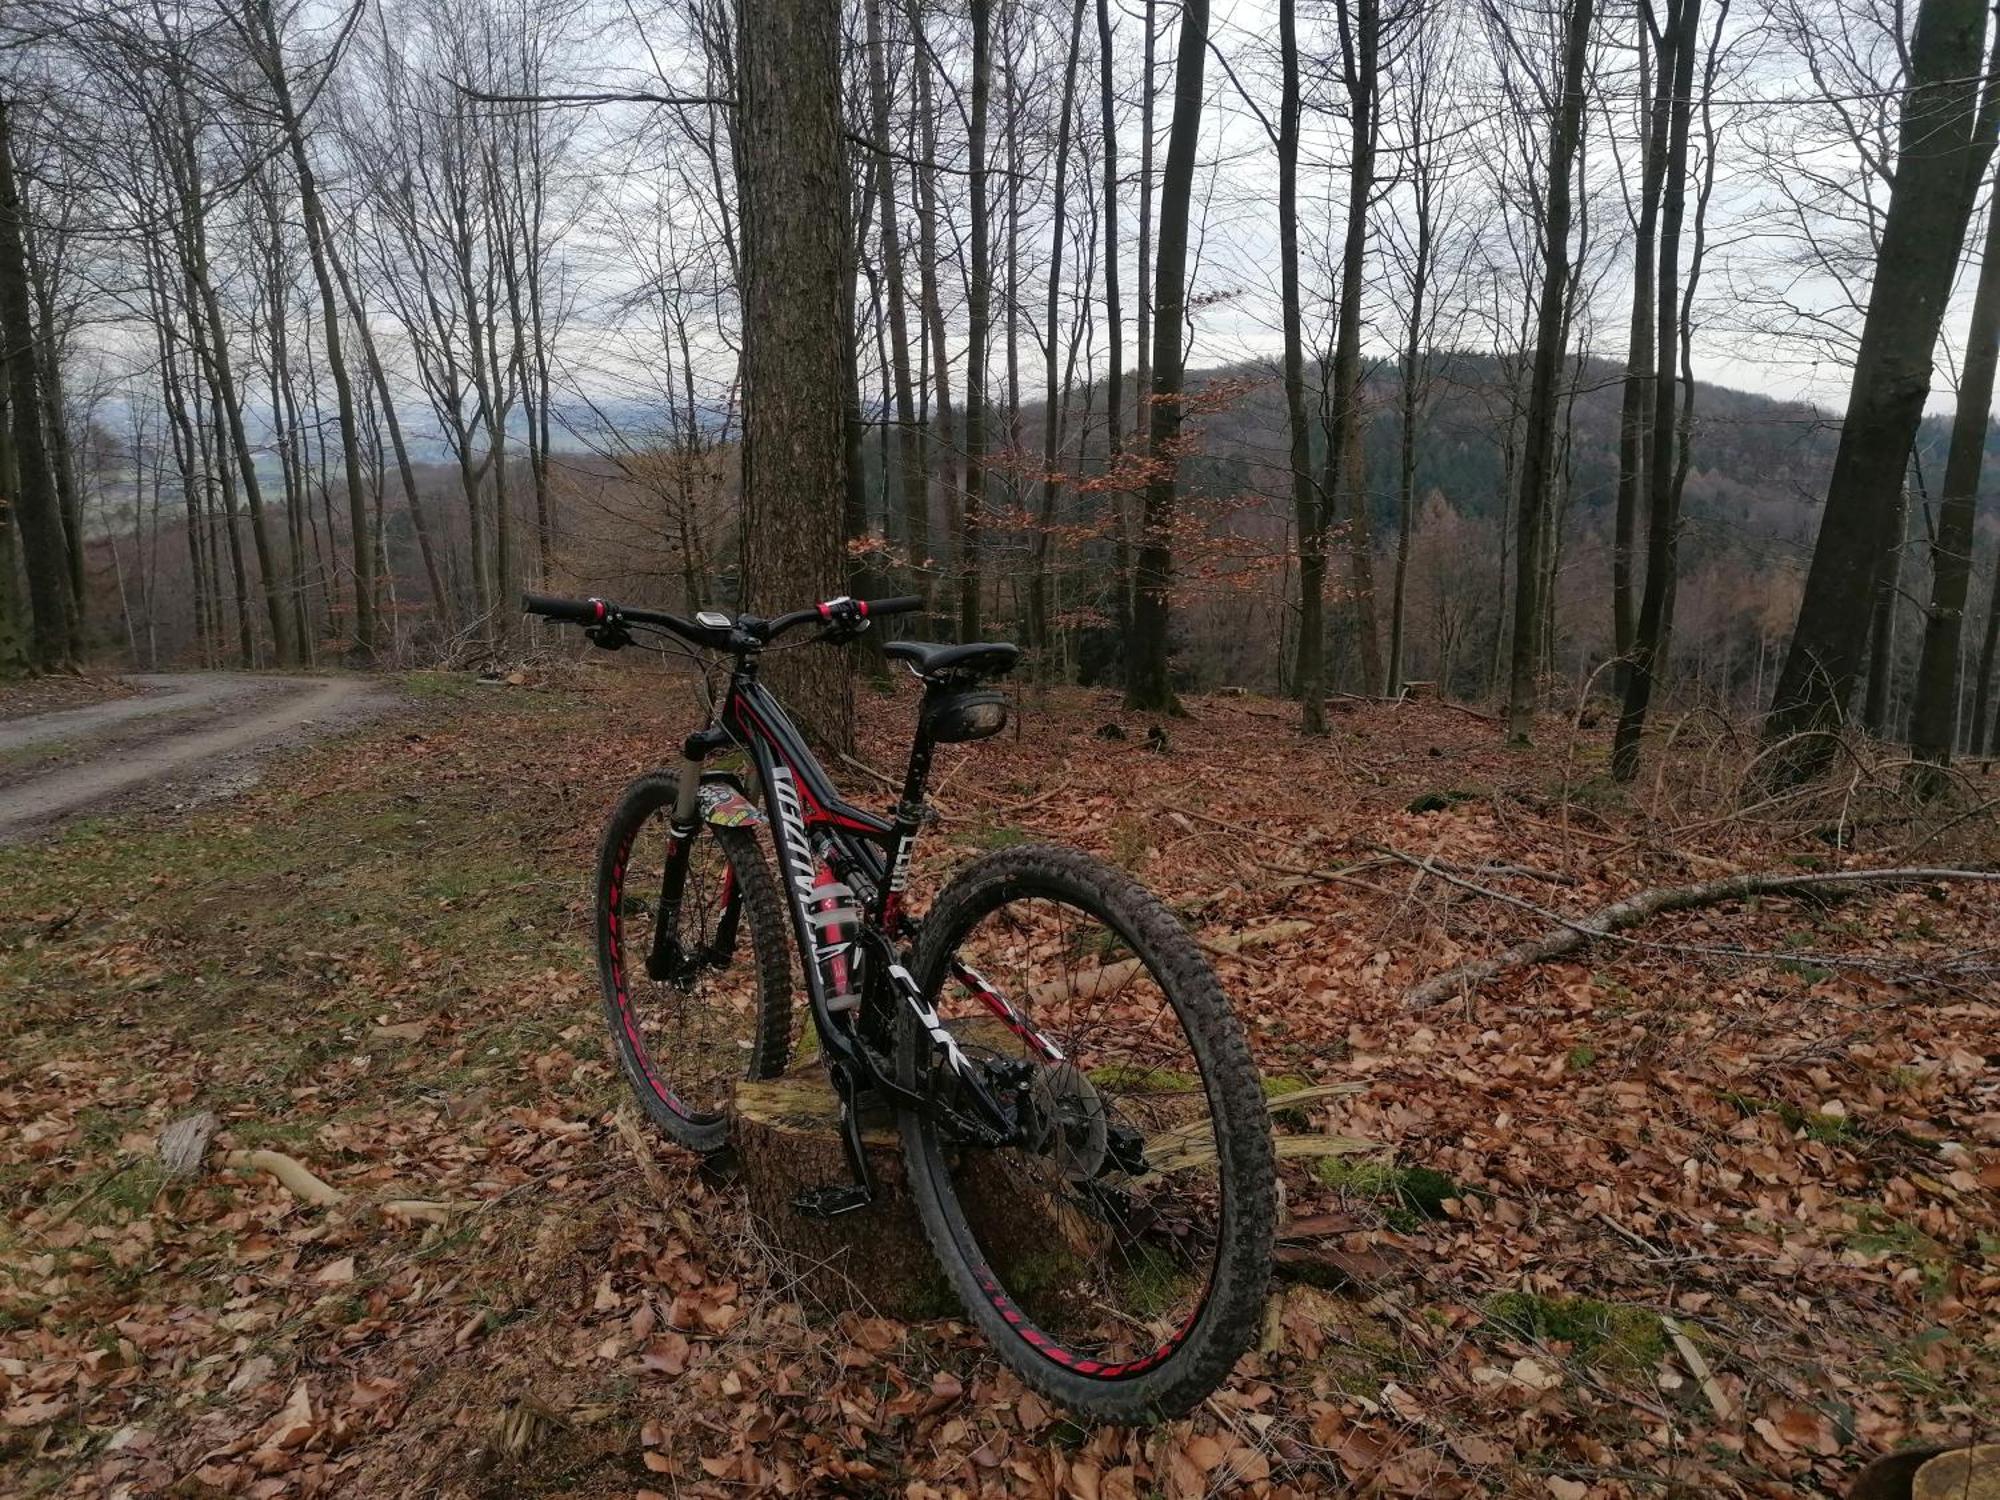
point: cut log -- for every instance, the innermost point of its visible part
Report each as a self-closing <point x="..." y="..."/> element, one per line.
<point x="786" y="1134"/>
<point x="1967" y="1474"/>
<point x="1889" y="1477"/>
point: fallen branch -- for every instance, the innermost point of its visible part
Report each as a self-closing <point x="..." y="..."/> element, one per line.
<point x="1573" y="933"/>
<point x="302" y="1183"/>
<point x="292" y="1175"/>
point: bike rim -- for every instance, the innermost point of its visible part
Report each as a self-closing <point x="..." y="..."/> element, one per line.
<point x="1127" y="1259"/>
<point x="690" y="1038"/>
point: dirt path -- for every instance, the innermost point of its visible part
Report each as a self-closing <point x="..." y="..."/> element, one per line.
<point x="190" y="736"/>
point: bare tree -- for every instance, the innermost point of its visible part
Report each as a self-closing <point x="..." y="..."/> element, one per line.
<point x="1148" y="681"/>
<point x="1944" y="140"/>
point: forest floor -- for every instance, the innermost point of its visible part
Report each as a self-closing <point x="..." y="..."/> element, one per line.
<point x="1711" y="1212"/>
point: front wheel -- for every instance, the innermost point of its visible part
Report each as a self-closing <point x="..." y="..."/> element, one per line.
<point x="697" y="993"/>
<point x="1143" y="1146"/>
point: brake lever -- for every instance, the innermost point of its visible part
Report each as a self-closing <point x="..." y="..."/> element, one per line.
<point x="611" y="635"/>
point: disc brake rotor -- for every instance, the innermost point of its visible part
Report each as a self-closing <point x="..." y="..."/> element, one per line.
<point x="1075" y="1134"/>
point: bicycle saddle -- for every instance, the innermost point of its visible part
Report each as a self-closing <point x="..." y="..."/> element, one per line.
<point x="974" y="659"/>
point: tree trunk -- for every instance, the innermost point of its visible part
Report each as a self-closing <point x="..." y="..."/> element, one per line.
<point x="790" y="188"/>
<point x="1933" y="726"/>
<point x="1649" y="642"/>
<point x="1148" y="683"/>
<point x="15" y="613"/>
<point x="910" y="455"/>
<point x="1944" y="138"/>
<point x="1875" y="711"/>
<point x="1039" y="630"/>
<point x="1538" y="439"/>
<point x="978" y="312"/>
<point x="1982" y="695"/>
<point x="319" y="251"/>
<point x="37" y="509"/>
<point x="1639" y="364"/>
<point x="433" y="572"/>
<point x="1148" y="93"/>
<point x="927" y="256"/>
<point x="1346" y="472"/>
<point x="55" y="413"/>
<point x="1114" y="323"/>
<point x="1309" y="669"/>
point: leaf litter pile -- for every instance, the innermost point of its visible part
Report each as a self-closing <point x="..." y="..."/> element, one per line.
<point x="1708" y="1207"/>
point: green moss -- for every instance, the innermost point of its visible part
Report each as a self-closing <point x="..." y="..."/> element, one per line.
<point x="1411" y="1192"/>
<point x="1133" y="1078"/>
<point x="994" y="838"/>
<point x="1598" y="1333"/>
<point x="1580" y="1057"/>
<point x="1277" y="1085"/>
<point x="440" y="685"/>
<point x="1830" y="1130"/>
<point x="1151" y="1282"/>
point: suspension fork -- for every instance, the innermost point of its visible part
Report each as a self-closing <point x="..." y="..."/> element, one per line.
<point x="682" y="826"/>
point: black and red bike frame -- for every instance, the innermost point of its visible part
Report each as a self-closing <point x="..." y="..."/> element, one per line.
<point x="829" y="854"/>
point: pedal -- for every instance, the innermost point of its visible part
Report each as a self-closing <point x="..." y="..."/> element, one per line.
<point x="831" y="1201"/>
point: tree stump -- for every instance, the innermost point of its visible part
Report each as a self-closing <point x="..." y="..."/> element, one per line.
<point x="786" y="1134"/>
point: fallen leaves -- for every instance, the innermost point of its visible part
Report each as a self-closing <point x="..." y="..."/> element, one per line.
<point x="1768" y="1188"/>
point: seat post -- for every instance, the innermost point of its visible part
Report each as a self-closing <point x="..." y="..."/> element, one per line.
<point x="917" y="774"/>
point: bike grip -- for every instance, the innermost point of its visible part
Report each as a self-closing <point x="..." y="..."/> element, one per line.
<point x="901" y="605"/>
<point x="575" y="611"/>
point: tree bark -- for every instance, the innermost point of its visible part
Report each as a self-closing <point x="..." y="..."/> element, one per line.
<point x="1039" y="628"/>
<point x="978" y="312"/>
<point x="1148" y="94"/>
<point x="1114" y="324"/>
<point x="1933" y="721"/>
<point x="15" y="615"/>
<point x="1538" y="441"/>
<point x="1650" y="640"/>
<point x="790" y="167"/>
<point x="1943" y="139"/>
<point x="1639" y="365"/>
<point x="1346" y="468"/>
<point x="911" y="459"/>
<point x="946" y="445"/>
<point x="1309" y="670"/>
<point x="1148" y="681"/>
<point x="1882" y="625"/>
<point x="37" y="509"/>
<point x="1982" y="695"/>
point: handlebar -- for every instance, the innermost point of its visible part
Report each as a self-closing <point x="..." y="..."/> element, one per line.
<point x="606" y="622"/>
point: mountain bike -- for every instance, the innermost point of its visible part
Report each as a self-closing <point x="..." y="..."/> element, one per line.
<point x="1046" y="1024"/>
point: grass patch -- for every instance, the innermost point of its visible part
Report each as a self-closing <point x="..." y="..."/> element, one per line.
<point x="1610" y="1334"/>
<point x="1411" y="1193"/>
<point x="1580" y="1058"/>
<point x="1151" y="1282"/>
<point x="1132" y="1078"/>
<point x="994" y="838"/>
<point x="1828" y="1130"/>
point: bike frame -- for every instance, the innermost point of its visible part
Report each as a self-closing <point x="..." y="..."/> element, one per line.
<point x="807" y="814"/>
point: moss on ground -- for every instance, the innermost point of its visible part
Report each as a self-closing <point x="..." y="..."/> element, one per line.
<point x="1410" y="1193"/>
<point x="1134" y="1078"/>
<point x="1611" y="1334"/>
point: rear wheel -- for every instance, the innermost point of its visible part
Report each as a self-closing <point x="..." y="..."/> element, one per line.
<point x="708" y="1001"/>
<point x="1146" y="1138"/>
